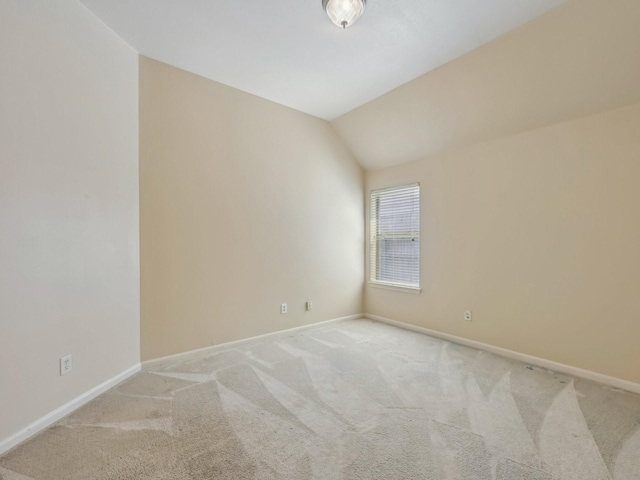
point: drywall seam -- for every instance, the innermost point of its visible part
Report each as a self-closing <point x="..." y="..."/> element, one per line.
<point x="221" y="346"/>
<point x="52" y="417"/>
<point x="522" y="357"/>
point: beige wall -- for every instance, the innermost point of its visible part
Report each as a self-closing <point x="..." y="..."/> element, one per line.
<point x="245" y="205"/>
<point x="69" y="262"/>
<point x="539" y="235"/>
<point x="577" y="60"/>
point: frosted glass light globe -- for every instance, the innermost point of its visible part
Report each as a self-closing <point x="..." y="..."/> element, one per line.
<point x="344" y="12"/>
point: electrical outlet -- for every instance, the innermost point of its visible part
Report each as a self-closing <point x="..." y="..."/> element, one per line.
<point x="467" y="315"/>
<point x="66" y="364"/>
<point x="309" y="305"/>
<point x="283" y="308"/>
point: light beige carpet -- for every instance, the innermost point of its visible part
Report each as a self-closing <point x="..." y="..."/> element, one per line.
<point x="357" y="400"/>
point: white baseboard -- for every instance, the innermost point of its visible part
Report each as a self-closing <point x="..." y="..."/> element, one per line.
<point x="235" y="343"/>
<point x="523" y="357"/>
<point x="52" y="417"/>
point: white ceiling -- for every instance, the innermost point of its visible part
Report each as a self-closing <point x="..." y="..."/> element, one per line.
<point x="289" y="52"/>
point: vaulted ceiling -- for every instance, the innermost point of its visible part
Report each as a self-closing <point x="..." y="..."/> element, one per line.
<point x="289" y="52"/>
<point x="411" y="78"/>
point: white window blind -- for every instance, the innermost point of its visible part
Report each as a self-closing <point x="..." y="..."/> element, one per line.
<point x="395" y="236"/>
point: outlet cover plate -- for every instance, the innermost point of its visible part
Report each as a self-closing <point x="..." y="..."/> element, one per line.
<point x="66" y="364"/>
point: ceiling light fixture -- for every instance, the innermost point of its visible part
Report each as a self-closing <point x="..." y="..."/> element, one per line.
<point x="343" y="13"/>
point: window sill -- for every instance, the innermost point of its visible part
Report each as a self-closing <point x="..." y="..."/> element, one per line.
<point x="397" y="288"/>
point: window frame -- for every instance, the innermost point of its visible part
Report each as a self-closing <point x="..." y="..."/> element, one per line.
<point x="374" y="238"/>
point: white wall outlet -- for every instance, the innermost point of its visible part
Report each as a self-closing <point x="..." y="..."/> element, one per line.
<point x="66" y="364"/>
<point x="283" y="308"/>
<point x="309" y="305"/>
<point x="467" y="315"/>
